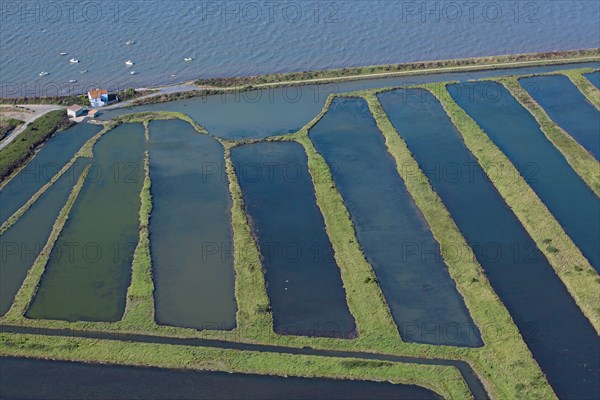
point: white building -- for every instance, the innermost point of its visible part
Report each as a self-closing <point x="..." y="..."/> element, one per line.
<point x="74" y="111"/>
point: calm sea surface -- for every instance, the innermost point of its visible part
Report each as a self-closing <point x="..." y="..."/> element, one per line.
<point x="234" y="38"/>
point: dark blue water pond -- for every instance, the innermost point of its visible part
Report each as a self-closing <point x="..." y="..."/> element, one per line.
<point x="557" y="333"/>
<point x="304" y="282"/>
<point x="190" y="229"/>
<point x="21" y="243"/>
<point x="275" y="111"/>
<point x="514" y="130"/>
<point x="42" y="379"/>
<point x="391" y="230"/>
<point x="594" y="77"/>
<point x="568" y="107"/>
<point x="47" y="162"/>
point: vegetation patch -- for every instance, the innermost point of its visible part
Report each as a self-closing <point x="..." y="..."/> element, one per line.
<point x="27" y="291"/>
<point x="590" y="91"/>
<point x="570" y="265"/>
<point x="582" y="162"/>
<point x="22" y="148"/>
<point x="443" y="65"/>
<point x="498" y="331"/>
<point x="7" y="125"/>
<point x="446" y="381"/>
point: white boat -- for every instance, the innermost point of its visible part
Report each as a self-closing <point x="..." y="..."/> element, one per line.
<point x="72" y="80"/>
<point x="188" y="59"/>
<point x="130" y="42"/>
<point x="83" y="71"/>
<point x="129" y="63"/>
<point x="44" y="73"/>
<point x="74" y="60"/>
<point x="133" y="73"/>
<point x="63" y="53"/>
<point x="173" y="75"/>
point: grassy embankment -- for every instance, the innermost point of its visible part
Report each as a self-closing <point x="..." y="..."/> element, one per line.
<point x="505" y="360"/>
<point x="579" y="158"/>
<point x="376" y="328"/>
<point x="30" y="284"/>
<point x="591" y="92"/>
<point x="84" y="151"/>
<point x="443" y="380"/>
<point x="490" y="62"/>
<point x="572" y="267"/>
<point x="22" y="148"/>
<point x="140" y="311"/>
<point x="7" y="125"/>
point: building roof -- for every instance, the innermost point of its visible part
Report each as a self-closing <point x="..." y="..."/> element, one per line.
<point x="93" y="111"/>
<point x="75" y="108"/>
<point x="94" y="94"/>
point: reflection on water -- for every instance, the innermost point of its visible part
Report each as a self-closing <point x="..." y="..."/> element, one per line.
<point x="90" y="266"/>
<point x="190" y="229"/>
<point x="304" y="283"/>
<point x="554" y="328"/>
<point x="391" y="229"/>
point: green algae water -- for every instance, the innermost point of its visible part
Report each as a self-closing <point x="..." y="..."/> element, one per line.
<point x="90" y="266"/>
<point x="568" y="107"/>
<point x="21" y="243"/>
<point x="391" y="230"/>
<point x="48" y="160"/>
<point x="190" y="229"/>
<point x="303" y="280"/>
<point x="558" y="334"/>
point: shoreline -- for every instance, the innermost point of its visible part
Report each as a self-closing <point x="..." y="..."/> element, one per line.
<point x="244" y="83"/>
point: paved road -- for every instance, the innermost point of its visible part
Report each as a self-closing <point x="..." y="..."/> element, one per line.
<point x="184" y="87"/>
<point x="38" y="111"/>
<point x="470" y="377"/>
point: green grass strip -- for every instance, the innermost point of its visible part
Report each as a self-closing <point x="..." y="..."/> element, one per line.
<point x="254" y="319"/>
<point x="591" y="92"/>
<point x="85" y="151"/>
<point x="139" y="308"/>
<point x="22" y="148"/>
<point x="365" y="300"/>
<point x="582" y="162"/>
<point x="572" y="267"/>
<point x="31" y="283"/>
<point x="505" y="359"/>
<point x="446" y="381"/>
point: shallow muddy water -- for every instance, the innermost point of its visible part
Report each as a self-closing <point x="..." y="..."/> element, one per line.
<point x="50" y="158"/>
<point x="190" y="229"/>
<point x="560" y="337"/>
<point x="303" y="280"/>
<point x="514" y="130"/>
<point x="568" y="107"/>
<point x="391" y="230"/>
<point x="90" y="266"/>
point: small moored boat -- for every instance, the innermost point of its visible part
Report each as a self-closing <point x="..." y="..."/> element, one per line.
<point x="63" y="53"/>
<point x="188" y="59"/>
<point x="130" y="42"/>
<point x="83" y="71"/>
<point x="129" y="62"/>
<point x="133" y="73"/>
<point x="73" y="60"/>
<point x="72" y="80"/>
<point x="44" y="73"/>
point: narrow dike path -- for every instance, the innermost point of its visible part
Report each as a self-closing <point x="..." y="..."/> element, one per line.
<point x="470" y="377"/>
